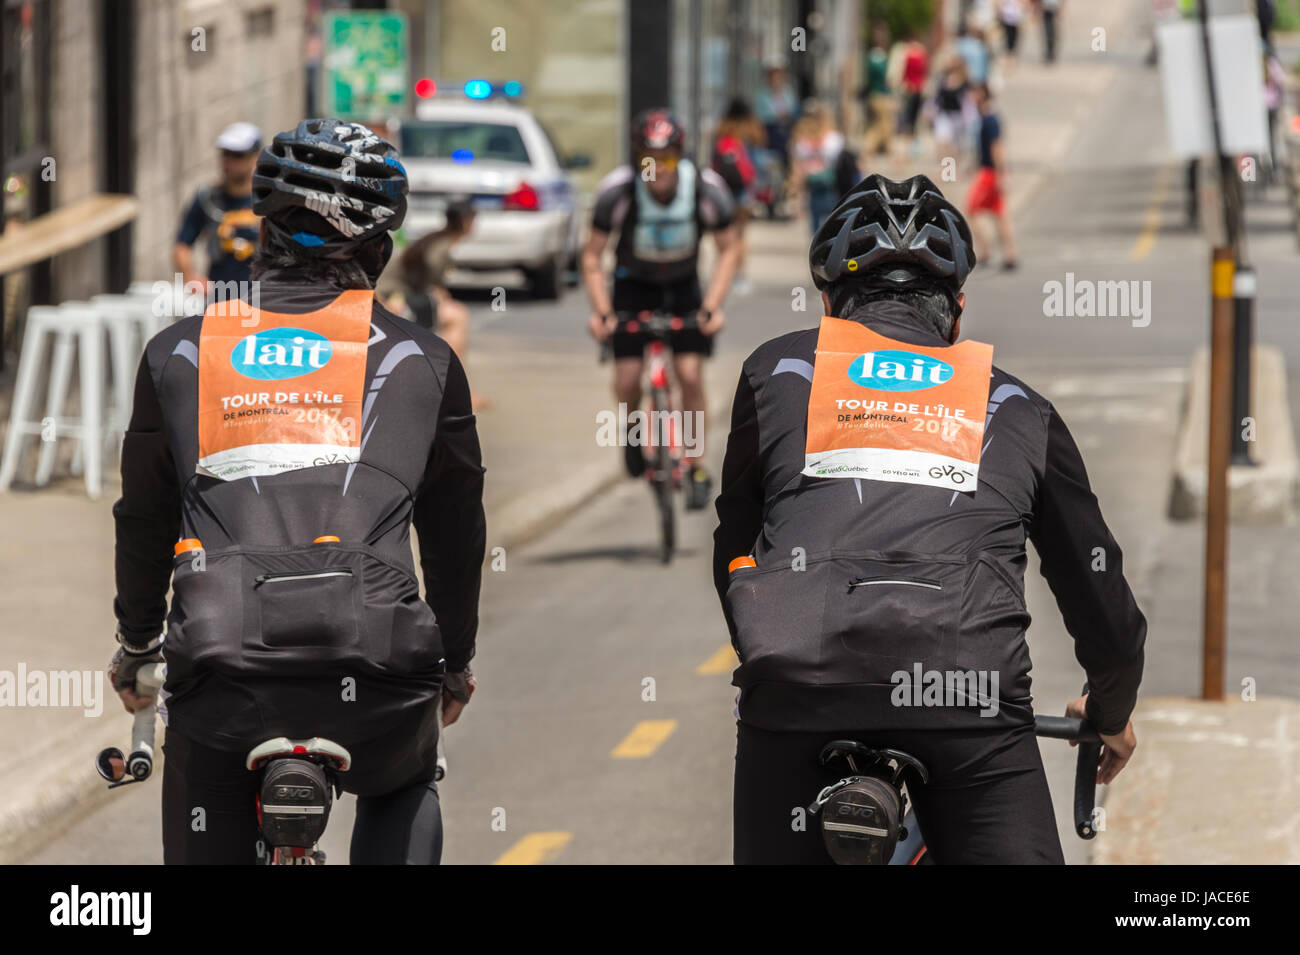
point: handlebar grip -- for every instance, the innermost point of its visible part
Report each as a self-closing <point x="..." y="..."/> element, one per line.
<point x="147" y="680"/>
<point x="1085" y="788"/>
<point x="1065" y="727"/>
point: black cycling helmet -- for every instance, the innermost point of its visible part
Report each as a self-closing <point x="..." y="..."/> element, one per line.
<point x="657" y="129"/>
<point x="344" y="173"/>
<point x="893" y="234"/>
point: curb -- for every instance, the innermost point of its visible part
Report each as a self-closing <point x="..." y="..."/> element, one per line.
<point x="69" y="787"/>
<point x="1263" y="494"/>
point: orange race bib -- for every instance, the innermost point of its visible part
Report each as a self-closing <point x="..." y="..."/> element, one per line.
<point x="889" y="411"/>
<point x="281" y="392"/>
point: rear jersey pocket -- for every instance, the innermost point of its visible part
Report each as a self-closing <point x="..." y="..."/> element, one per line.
<point x="886" y="612"/>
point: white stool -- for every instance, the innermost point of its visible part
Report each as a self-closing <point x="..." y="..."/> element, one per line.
<point x="173" y="302"/>
<point x="78" y="327"/>
<point x="130" y="324"/>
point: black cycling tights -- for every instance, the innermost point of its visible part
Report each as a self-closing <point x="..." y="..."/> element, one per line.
<point x="400" y="827"/>
<point x="987" y="801"/>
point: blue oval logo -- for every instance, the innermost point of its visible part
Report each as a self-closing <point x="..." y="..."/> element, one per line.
<point x="278" y="353"/>
<point x="898" y="371"/>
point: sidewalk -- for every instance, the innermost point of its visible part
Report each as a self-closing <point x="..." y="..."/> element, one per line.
<point x="1210" y="784"/>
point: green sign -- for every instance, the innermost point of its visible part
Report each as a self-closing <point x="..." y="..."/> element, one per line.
<point x="366" y="64"/>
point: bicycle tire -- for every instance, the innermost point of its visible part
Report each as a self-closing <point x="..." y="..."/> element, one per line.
<point x="664" y="497"/>
<point x="662" y="479"/>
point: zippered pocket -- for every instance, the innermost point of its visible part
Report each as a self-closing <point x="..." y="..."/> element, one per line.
<point x="900" y="581"/>
<point x="301" y="575"/>
<point x="315" y="611"/>
<point x="886" y="612"/>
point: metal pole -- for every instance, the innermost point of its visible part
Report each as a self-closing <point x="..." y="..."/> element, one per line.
<point x="1216" y="506"/>
<point x="1243" y="334"/>
<point x="1228" y="182"/>
<point x="697" y="89"/>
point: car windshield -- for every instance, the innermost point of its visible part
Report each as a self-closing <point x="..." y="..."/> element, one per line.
<point x="463" y="141"/>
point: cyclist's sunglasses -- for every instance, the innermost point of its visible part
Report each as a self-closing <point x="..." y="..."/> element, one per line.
<point x="665" y="163"/>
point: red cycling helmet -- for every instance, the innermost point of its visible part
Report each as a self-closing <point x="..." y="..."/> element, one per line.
<point x="657" y="129"/>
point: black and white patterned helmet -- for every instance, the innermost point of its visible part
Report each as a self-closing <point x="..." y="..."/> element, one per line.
<point x="343" y="172"/>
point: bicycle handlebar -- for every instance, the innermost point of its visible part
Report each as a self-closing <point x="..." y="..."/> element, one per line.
<point x="1085" y="768"/>
<point x="658" y="323"/>
<point x="1065" y="727"/>
<point x="149" y="677"/>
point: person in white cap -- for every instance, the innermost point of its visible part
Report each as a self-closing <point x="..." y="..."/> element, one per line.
<point x="223" y="214"/>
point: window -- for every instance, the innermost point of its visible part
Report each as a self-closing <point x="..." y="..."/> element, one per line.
<point x="463" y="141"/>
<point x="260" y="23"/>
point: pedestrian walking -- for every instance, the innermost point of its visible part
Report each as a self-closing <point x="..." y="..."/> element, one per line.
<point x="910" y="63"/>
<point x="814" y="153"/>
<point x="950" y="105"/>
<point x="776" y="107"/>
<point x="879" y="102"/>
<point x="1011" y="13"/>
<point x="738" y="136"/>
<point x="974" y="51"/>
<point x="986" y="195"/>
<point x="1050" y="12"/>
<point x="419" y="274"/>
<point x="223" y="214"/>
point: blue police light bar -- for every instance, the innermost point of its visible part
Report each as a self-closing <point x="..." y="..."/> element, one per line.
<point x="478" y="89"/>
<point x="513" y="89"/>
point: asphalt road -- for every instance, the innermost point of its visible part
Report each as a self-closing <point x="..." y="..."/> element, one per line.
<point x="602" y="730"/>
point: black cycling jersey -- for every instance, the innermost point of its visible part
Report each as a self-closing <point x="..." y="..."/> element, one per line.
<point x="270" y="633"/>
<point x="818" y="650"/>
<point x="660" y="243"/>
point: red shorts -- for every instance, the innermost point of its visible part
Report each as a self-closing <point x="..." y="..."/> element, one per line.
<point x="985" y="193"/>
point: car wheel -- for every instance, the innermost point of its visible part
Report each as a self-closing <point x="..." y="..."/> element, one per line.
<point x="545" y="282"/>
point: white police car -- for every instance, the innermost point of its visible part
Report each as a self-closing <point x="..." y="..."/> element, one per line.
<point x="479" y="142"/>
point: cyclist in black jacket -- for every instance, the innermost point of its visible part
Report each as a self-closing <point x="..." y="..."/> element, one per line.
<point x="855" y="580"/>
<point x="296" y="610"/>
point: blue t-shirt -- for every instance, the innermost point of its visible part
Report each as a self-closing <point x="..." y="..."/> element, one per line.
<point x="976" y="57"/>
<point x="990" y="131"/>
<point x="231" y="228"/>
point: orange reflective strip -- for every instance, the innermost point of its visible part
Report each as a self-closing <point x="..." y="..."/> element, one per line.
<point x="190" y="543"/>
<point x="328" y="538"/>
<point x="741" y="562"/>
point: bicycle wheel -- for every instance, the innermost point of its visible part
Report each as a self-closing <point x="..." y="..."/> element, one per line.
<point x="662" y="479"/>
<point x="663" y="482"/>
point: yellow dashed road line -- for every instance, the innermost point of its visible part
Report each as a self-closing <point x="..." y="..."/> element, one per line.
<point x="645" y="738"/>
<point x="1146" y="240"/>
<point x="724" y="661"/>
<point x="535" y="848"/>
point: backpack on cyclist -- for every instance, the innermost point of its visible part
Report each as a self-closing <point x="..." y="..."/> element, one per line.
<point x="731" y="161"/>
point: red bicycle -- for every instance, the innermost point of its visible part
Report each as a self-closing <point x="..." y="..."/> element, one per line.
<point x="662" y="433"/>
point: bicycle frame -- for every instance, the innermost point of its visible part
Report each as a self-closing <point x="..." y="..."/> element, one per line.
<point x="664" y="445"/>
